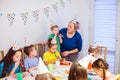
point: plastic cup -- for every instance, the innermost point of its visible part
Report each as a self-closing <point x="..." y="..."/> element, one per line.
<point x="57" y="63"/>
<point x="50" y="67"/>
<point x="19" y="76"/>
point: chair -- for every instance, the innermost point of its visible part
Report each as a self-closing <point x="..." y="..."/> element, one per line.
<point x="41" y="49"/>
<point x="2" y="54"/>
<point x="102" y="50"/>
<point x="24" y="56"/>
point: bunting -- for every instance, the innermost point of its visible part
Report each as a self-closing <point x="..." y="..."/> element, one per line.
<point x="11" y="17"/>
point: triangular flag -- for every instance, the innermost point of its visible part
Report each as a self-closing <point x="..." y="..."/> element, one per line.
<point x="36" y="14"/>
<point x="55" y="7"/>
<point x="11" y="17"/>
<point x="46" y="11"/>
<point x="24" y="17"/>
<point x="62" y="3"/>
<point x="0" y="15"/>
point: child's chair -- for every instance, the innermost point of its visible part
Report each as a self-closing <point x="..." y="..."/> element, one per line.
<point x="1" y="54"/>
<point x="41" y="49"/>
<point x="102" y="50"/>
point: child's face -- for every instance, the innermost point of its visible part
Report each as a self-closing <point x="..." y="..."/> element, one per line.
<point x="95" y="54"/>
<point x="17" y="56"/>
<point x="33" y="52"/>
<point x="53" y="48"/>
<point x="99" y="72"/>
<point x="55" y="31"/>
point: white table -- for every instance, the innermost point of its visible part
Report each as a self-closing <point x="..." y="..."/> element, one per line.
<point x="60" y="71"/>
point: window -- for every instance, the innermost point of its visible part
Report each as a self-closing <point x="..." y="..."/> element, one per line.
<point x="105" y="23"/>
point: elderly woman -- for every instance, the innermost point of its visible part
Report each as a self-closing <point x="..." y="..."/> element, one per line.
<point x="72" y="41"/>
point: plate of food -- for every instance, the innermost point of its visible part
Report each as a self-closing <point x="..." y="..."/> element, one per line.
<point x="64" y="62"/>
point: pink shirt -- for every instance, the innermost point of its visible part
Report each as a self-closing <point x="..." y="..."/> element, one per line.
<point x="110" y="77"/>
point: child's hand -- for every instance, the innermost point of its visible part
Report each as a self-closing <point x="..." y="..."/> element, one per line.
<point x="60" y="35"/>
<point x="16" y="64"/>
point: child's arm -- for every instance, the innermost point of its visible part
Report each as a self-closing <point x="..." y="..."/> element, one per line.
<point x="60" y="36"/>
<point x="46" y="63"/>
<point x="30" y="69"/>
<point x="14" y="69"/>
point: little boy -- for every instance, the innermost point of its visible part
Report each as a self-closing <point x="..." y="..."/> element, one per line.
<point x="55" y="34"/>
<point x="31" y="62"/>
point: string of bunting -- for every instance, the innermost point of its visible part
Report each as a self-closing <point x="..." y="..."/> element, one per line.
<point x="0" y="15"/>
<point x="35" y="13"/>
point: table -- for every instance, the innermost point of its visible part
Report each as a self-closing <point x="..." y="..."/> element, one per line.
<point x="59" y="71"/>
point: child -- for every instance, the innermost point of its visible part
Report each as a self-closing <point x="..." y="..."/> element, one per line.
<point x="77" y="72"/>
<point x="55" y="34"/>
<point x="10" y="64"/>
<point x="93" y="54"/>
<point x="52" y="54"/>
<point x="31" y="62"/>
<point x="101" y="68"/>
<point x="93" y="50"/>
<point x="45" y="76"/>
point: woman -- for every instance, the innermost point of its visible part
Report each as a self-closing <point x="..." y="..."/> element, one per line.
<point x="72" y="41"/>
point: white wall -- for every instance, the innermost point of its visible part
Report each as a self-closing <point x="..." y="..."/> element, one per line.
<point x="117" y="53"/>
<point x="38" y="32"/>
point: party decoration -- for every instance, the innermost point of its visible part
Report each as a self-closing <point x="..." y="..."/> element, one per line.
<point x="36" y="15"/>
<point x="24" y="17"/>
<point x="11" y="17"/>
<point x="15" y="46"/>
<point x="62" y="3"/>
<point x="41" y="67"/>
<point x="0" y="15"/>
<point x="54" y="40"/>
<point x="46" y="11"/>
<point x="26" y="42"/>
<point x="52" y="22"/>
<point x="55" y="7"/>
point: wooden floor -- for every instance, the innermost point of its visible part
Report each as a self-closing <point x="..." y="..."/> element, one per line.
<point x="111" y="60"/>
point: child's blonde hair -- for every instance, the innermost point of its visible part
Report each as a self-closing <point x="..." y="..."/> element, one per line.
<point x="77" y="72"/>
<point x="45" y="76"/>
<point x="93" y="49"/>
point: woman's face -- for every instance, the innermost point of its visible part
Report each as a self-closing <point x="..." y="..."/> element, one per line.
<point x="99" y="72"/>
<point x="17" y="56"/>
<point x="71" y="27"/>
<point x="53" y="48"/>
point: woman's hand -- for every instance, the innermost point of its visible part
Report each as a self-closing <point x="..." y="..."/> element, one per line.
<point x="65" y="53"/>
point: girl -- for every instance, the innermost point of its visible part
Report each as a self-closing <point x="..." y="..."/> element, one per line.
<point x="77" y="72"/>
<point x="52" y="54"/>
<point x="10" y="64"/>
<point x="101" y="68"/>
<point x="93" y="54"/>
<point x="93" y="50"/>
<point x="45" y="76"/>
